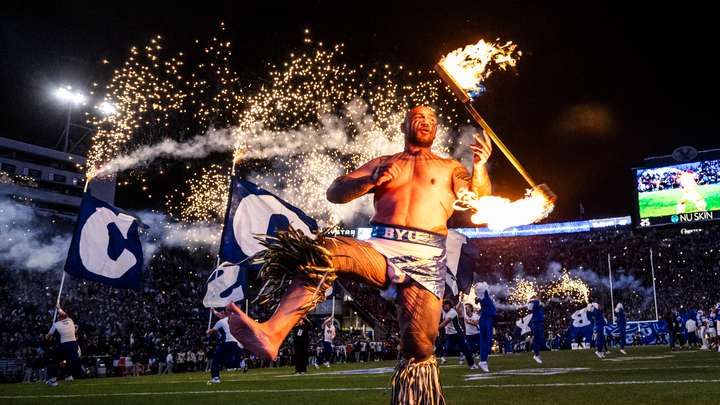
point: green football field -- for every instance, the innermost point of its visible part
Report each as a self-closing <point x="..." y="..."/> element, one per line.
<point x="651" y="375"/>
<point x="662" y="203"/>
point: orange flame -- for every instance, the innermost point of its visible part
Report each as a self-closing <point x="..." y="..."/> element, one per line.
<point x="500" y="213"/>
<point x="473" y="64"/>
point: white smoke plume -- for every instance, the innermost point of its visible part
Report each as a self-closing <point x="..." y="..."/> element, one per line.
<point x="254" y="143"/>
<point x="329" y="134"/>
<point x="198" y="147"/>
<point x="624" y="285"/>
<point x="31" y="241"/>
<point x="307" y="159"/>
<point x="164" y="231"/>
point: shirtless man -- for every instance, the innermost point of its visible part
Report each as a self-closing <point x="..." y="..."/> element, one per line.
<point x="414" y="191"/>
<point x="691" y="192"/>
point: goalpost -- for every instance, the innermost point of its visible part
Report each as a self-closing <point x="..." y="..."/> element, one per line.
<point x="612" y="297"/>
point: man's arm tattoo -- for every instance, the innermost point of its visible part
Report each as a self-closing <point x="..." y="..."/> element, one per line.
<point x="461" y="178"/>
<point x="479" y="183"/>
<point x="346" y="189"/>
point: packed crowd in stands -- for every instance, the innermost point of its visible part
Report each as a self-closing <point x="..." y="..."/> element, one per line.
<point x="162" y="328"/>
<point x="114" y="324"/>
<point x="686" y="265"/>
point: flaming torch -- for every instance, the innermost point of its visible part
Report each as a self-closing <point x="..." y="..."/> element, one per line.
<point x="464" y="71"/>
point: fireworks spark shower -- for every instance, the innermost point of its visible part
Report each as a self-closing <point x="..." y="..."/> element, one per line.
<point x="351" y="113"/>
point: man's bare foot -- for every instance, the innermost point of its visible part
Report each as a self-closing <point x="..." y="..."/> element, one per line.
<point x="252" y="335"/>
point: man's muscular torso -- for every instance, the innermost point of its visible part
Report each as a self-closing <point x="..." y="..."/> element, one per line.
<point x="420" y="197"/>
<point x="415" y="188"/>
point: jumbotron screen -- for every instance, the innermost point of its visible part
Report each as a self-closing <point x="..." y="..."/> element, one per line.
<point x="677" y="194"/>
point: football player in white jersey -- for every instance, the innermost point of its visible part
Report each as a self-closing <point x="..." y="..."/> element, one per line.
<point x="472" y="333"/>
<point x="67" y="350"/>
<point x="328" y="337"/>
<point x="228" y="352"/>
<point x="454" y="335"/>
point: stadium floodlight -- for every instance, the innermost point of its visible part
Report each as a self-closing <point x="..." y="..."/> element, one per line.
<point x="72" y="99"/>
<point x="107" y="108"/>
<point x="65" y="94"/>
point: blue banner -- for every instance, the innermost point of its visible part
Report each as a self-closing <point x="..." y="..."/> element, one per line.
<point x="649" y="333"/>
<point x="581" y="330"/>
<point x="106" y="245"/>
<point x="253" y="212"/>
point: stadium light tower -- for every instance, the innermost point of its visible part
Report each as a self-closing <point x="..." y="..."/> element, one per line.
<point x="71" y="99"/>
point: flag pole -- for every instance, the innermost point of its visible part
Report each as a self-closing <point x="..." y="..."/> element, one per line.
<point x="612" y="301"/>
<point x="217" y="257"/>
<point x="210" y="310"/>
<point x="466" y="100"/>
<point x="652" y="268"/>
<point x="57" y="302"/>
<point x="62" y="279"/>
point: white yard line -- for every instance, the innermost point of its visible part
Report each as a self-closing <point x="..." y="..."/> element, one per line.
<point x="346" y="389"/>
<point x="253" y="377"/>
<point x="582" y="384"/>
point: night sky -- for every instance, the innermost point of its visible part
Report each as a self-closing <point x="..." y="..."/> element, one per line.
<point x="600" y="87"/>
